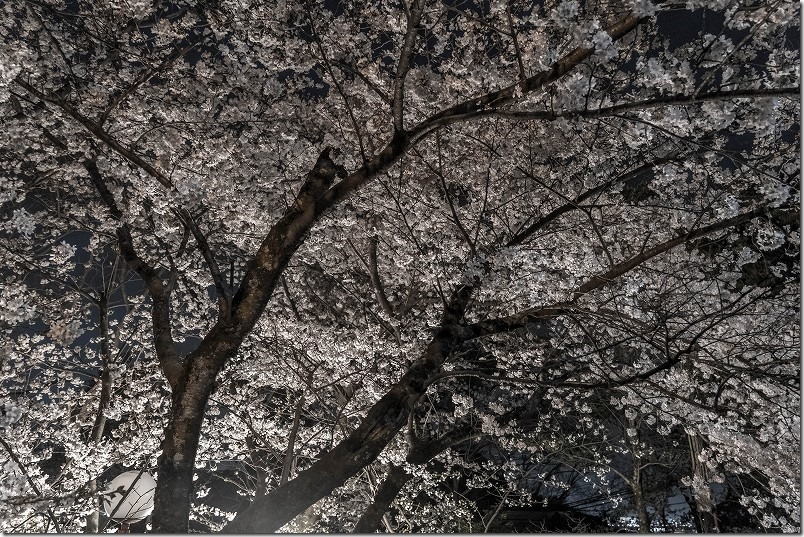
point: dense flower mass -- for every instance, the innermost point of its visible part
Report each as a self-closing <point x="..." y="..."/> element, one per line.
<point x="409" y="266"/>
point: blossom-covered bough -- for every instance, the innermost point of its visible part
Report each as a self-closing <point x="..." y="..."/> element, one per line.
<point x="545" y="210"/>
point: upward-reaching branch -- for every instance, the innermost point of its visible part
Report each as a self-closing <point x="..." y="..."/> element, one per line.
<point x="160" y="295"/>
<point x="509" y="94"/>
<point x="51" y="515"/>
<point x="402" y="68"/>
<point x="221" y="287"/>
<point x="420" y="453"/>
<point x="542" y="313"/>
<point x="523" y="234"/>
<point x="160" y="308"/>
<point x="379" y="290"/>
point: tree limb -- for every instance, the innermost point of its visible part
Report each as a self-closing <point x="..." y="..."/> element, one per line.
<point x="221" y="287"/>
<point x="160" y="310"/>
<point x="525" y="317"/>
<point x="398" y="104"/>
<point x="673" y="100"/>
<point x="522" y="235"/>
<point x="51" y="515"/>
<point x="379" y="291"/>
<point x="492" y="101"/>
<point x="382" y="422"/>
<point x="394" y="481"/>
<point x="100" y="133"/>
<point x="419" y="452"/>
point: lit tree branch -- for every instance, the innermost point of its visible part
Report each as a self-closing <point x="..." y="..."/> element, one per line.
<point x="646" y="104"/>
<point x="221" y="287"/>
<point x="99" y="132"/>
<point x="525" y="317"/>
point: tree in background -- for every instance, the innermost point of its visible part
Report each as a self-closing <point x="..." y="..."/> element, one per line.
<point x="319" y="249"/>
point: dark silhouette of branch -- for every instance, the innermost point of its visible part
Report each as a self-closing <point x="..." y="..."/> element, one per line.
<point x="525" y="317"/>
<point x="672" y="100"/>
<point x="160" y="309"/>
<point x="405" y="56"/>
<point x="492" y="101"/>
<point x="523" y="234"/>
<point x="221" y="287"/>
<point x="51" y="515"/>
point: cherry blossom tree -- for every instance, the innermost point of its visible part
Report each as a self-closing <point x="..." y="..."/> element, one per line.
<point x="322" y="249"/>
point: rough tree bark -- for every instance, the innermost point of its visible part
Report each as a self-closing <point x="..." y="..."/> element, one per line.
<point x="197" y="380"/>
<point x="384" y="420"/>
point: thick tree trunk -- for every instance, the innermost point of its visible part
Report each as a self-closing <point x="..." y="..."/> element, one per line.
<point x="636" y="484"/>
<point x="641" y="507"/>
<point x="175" y="468"/>
<point x="176" y="464"/>
<point x="194" y="385"/>
<point x="703" y="504"/>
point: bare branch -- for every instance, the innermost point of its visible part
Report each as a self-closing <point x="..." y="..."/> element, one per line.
<point x="645" y="104"/>
<point x="492" y="101"/>
<point x="522" y="235"/>
<point x="379" y="291"/>
<point x="517" y="50"/>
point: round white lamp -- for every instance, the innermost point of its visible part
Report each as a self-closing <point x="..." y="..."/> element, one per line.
<point x="129" y="497"/>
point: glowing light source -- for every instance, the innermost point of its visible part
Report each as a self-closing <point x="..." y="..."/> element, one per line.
<point x="129" y="497"/>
